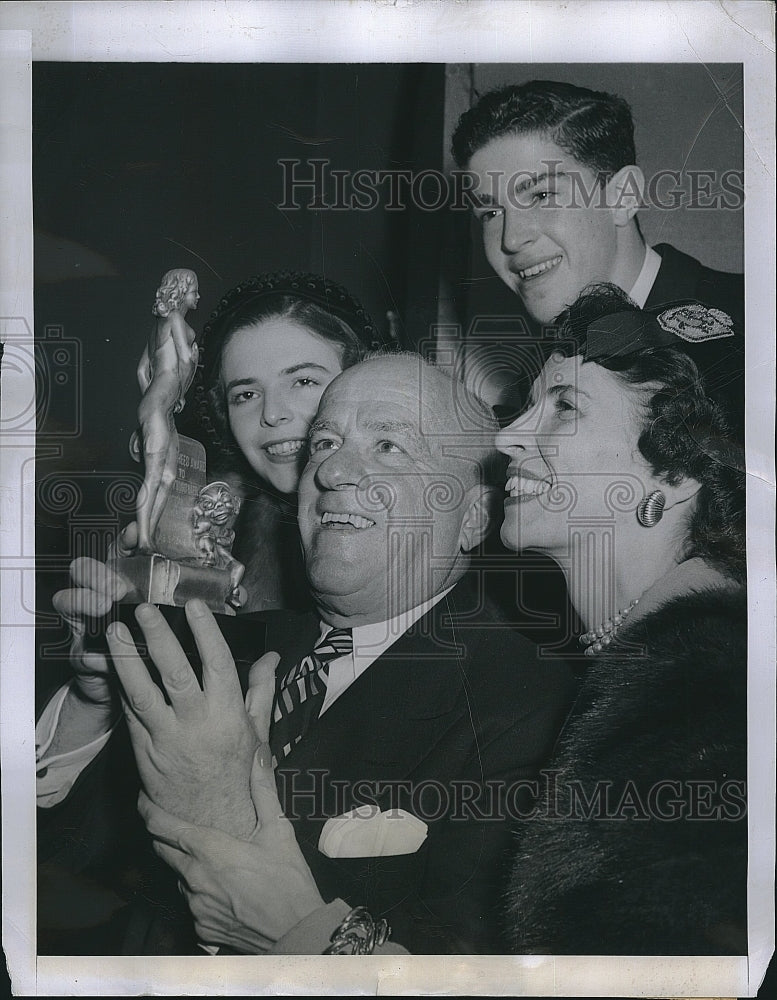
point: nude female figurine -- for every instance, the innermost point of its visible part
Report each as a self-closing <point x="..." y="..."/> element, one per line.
<point x="165" y="372"/>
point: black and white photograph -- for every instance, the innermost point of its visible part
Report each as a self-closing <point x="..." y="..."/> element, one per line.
<point x="388" y="498"/>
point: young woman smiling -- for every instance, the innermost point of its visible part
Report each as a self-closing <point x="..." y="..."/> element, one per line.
<point x="272" y="346"/>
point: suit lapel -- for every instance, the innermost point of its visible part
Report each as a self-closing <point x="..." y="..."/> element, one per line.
<point x="396" y="712"/>
<point x="677" y="278"/>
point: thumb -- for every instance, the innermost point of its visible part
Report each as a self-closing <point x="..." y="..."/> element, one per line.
<point x="260" y="694"/>
<point x="126" y="543"/>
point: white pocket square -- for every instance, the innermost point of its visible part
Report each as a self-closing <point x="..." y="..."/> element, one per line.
<point x="366" y="832"/>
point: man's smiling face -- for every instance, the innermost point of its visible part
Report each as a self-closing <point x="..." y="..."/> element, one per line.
<point x="377" y="539"/>
<point x="538" y="234"/>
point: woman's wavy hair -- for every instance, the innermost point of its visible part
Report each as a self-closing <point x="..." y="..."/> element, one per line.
<point x="685" y="432"/>
<point x="319" y="305"/>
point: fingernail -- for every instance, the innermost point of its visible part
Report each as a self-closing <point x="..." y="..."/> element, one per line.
<point x="145" y="613"/>
<point x="197" y="608"/>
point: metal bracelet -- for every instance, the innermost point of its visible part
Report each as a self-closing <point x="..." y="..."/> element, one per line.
<point x="358" y="934"/>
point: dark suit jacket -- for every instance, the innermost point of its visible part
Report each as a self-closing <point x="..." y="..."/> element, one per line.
<point x="459" y="698"/>
<point x="461" y="710"/>
<point x="682" y="278"/>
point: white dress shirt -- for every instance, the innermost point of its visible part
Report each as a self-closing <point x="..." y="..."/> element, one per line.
<point x="56" y="775"/>
<point x="646" y="277"/>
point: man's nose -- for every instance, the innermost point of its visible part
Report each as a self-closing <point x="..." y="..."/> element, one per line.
<point x="342" y="468"/>
<point x="276" y="409"/>
<point x="518" y="228"/>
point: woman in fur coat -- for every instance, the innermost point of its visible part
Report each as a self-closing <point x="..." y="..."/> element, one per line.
<point x="624" y="470"/>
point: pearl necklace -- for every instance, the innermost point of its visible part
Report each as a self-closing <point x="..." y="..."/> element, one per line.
<point x="598" y="638"/>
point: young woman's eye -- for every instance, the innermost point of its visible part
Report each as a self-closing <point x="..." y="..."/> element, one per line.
<point x="305" y="381"/>
<point x="243" y="397"/>
<point x="488" y="214"/>
<point x="564" y="406"/>
<point x="543" y="197"/>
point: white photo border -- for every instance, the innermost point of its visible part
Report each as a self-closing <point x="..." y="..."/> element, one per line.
<point x="377" y="31"/>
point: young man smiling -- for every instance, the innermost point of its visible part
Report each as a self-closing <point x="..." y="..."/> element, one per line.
<point x="557" y="192"/>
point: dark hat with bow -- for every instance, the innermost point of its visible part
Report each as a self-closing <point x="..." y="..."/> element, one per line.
<point x="708" y="336"/>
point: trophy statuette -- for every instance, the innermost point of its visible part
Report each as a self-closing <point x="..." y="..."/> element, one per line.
<point x="185" y="524"/>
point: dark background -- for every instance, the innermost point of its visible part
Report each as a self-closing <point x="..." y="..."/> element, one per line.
<point x="138" y="168"/>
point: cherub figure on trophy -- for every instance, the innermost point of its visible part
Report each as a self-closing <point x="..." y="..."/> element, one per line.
<point x="184" y="524"/>
<point x="213" y="518"/>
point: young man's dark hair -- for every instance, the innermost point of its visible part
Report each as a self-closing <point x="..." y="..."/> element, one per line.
<point x="556" y="193"/>
<point x="593" y="126"/>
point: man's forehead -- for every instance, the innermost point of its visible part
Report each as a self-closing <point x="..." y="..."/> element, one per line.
<point x="532" y="153"/>
<point x="404" y="390"/>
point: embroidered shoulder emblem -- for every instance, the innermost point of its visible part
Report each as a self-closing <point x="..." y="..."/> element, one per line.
<point x="696" y="322"/>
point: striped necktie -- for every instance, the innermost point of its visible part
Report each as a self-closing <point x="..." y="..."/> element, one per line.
<point x="302" y="691"/>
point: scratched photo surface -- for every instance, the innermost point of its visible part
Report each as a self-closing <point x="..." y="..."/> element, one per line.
<point x="343" y="171"/>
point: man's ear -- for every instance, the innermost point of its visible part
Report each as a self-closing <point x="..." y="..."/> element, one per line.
<point x="625" y="191"/>
<point x="480" y="515"/>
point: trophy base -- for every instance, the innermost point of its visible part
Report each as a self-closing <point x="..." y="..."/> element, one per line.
<point x="155" y="579"/>
<point x="245" y="636"/>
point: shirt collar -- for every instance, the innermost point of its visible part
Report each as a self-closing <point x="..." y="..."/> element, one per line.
<point x="646" y="277"/>
<point x="369" y="641"/>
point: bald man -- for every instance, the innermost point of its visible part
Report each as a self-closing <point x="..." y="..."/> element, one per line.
<point x="405" y="696"/>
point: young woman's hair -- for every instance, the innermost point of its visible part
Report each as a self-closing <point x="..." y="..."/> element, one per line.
<point x="594" y="127"/>
<point x="685" y="433"/>
<point x="313" y="302"/>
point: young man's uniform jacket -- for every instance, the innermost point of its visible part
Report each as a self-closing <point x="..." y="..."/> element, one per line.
<point x="682" y="278"/>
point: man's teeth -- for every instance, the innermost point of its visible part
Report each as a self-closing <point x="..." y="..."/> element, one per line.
<point x="354" y="520"/>
<point x="535" y="269"/>
<point x="519" y="486"/>
<point x="285" y="447"/>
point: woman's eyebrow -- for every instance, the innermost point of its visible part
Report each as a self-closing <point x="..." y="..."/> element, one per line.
<point x="286" y="371"/>
<point x="239" y="381"/>
<point x="554" y="390"/>
<point x="483" y="200"/>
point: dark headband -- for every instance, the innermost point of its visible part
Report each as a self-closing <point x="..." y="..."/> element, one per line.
<point x="308" y="288"/>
